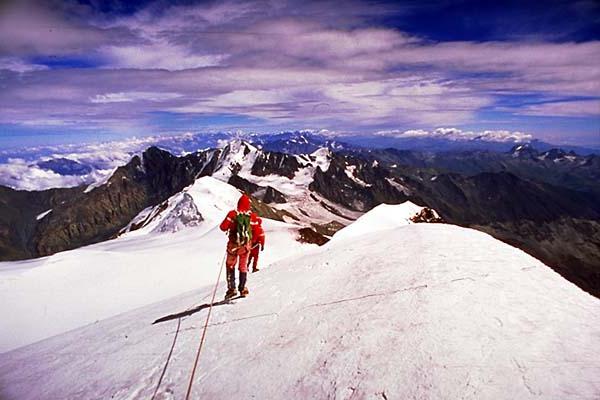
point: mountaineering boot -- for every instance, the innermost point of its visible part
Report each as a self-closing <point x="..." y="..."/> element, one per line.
<point x="243" y="289"/>
<point x="231" y="292"/>
<point x="255" y="269"/>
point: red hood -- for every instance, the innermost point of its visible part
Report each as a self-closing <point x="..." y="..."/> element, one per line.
<point x="243" y="204"/>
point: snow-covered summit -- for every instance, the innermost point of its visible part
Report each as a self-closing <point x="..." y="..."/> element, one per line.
<point x="200" y="204"/>
<point x="185" y="214"/>
<point x="322" y="158"/>
<point x="238" y="156"/>
<point x="382" y="217"/>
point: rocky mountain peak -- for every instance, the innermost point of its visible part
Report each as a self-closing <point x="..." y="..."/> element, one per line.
<point x="524" y="151"/>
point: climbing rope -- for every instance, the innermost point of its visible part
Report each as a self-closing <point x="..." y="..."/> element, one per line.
<point x="189" y="389"/>
<point x="162" y="375"/>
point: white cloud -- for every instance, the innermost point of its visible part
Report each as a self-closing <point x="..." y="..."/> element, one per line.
<point x="459" y="134"/>
<point x="158" y="56"/>
<point x="125" y="97"/>
<point x="283" y="62"/>
<point x="20" y="174"/>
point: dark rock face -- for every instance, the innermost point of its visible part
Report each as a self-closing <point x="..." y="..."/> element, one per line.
<point x="498" y="197"/>
<point x="273" y="195"/>
<point x="266" y="211"/>
<point x="426" y="215"/>
<point x="554" y="167"/>
<point x="366" y="188"/>
<point x="266" y="195"/>
<point x="18" y="212"/>
<point x="243" y="184"/>
<point x="275" y="163"/>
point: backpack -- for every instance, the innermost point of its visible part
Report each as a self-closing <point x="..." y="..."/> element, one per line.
<point x="243" y="233"/>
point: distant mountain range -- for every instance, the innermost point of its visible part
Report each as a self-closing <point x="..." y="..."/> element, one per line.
<point x="299" y="142"/>
<point x="545" y="202"/>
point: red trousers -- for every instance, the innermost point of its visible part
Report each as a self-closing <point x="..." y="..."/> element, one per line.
<point x="253" y="259"/>
<point x="237" y="254"/>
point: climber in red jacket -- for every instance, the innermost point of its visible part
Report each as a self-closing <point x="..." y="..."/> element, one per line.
<point x="258" y="244"/>
<point x="241" y="225"/>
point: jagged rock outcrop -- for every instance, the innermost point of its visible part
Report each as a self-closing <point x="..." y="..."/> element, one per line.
<point x="266" y="211"/>
<point x="426" y="215"/>
<point x="275" y="163"/>
<point x="357" y="184"/>
<point x="309" y="235"/>
<point x="243" y="184"/>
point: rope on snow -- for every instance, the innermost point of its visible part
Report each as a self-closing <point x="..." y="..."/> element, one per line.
<point x="212" y="301"/>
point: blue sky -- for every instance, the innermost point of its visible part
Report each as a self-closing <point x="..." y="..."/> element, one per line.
<point x="102" y="70"/>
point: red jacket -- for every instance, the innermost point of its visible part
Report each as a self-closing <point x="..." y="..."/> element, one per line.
<point x="229" y="224"/>
<point x="259" y="236"/>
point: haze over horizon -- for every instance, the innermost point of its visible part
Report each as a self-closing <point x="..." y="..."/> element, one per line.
<point x="83" y="71"/>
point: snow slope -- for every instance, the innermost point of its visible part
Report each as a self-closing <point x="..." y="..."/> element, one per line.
<point x="47" y="296"/>
<point x="384" y="216"/>
<point x="422" y="311"/>
<point x="212" y="200"/>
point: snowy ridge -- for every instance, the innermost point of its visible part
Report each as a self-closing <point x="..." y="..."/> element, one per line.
<point x="184" y="215"/>
<point x="382" y="217"/>
<point x="421" y="311"/>
<point x="209" y="199"/>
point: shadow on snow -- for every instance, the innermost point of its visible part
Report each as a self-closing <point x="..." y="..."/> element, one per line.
<point x="194" y="310"/>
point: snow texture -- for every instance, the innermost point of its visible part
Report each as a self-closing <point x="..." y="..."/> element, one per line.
<point x="384" y="216"/>
<point x="185" y="214"/>
<point x="420" y="311"/>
